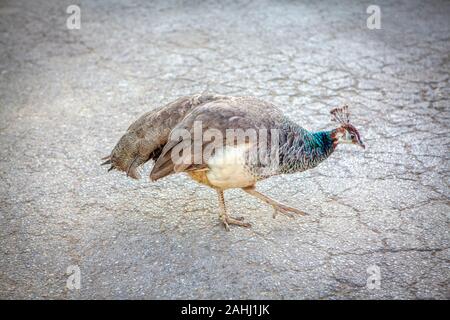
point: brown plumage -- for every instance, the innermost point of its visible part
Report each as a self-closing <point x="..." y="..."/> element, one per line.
<point x="155" y="135"/>
<point x="226" y="113"/>
<point x="146" y="137"/>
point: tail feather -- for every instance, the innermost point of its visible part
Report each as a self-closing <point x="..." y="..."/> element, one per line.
<point x="146" y="137"/>
<point x="132" y="169"/>
<point x="106" y="162"/>
<point x="164" y="169"/>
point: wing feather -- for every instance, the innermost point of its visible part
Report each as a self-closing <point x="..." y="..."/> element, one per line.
<point x="146" y="136"/>
<point x="241" y="113"/>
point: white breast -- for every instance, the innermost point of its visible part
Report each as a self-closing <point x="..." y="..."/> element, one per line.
<point x="227" y="168"/>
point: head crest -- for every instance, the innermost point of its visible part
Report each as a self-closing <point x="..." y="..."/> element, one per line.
<point x="341" y="115"/>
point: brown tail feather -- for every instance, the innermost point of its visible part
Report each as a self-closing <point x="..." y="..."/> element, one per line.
<point x="131" y="172"/>
<point x="164" y="164"/>
<point x="106" y="162"/>
<point x="146" y="136"/>
<point x="162" y="172"/>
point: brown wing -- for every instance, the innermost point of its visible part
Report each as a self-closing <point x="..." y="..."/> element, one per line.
<point x="234" y="113"/>
<point x="146" y="137"/>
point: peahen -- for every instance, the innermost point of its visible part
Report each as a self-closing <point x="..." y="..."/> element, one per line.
<point x="178" y="135"/>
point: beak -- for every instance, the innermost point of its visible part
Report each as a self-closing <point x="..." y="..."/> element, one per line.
<point x="361" y="144"/>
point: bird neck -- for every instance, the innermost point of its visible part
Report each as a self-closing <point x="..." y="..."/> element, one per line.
<point x="323" y="141"/>
<point x="320" y="146"/>
<point x="304" y="150"/>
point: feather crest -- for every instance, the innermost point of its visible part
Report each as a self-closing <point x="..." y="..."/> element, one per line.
<point x="341" y="115"/>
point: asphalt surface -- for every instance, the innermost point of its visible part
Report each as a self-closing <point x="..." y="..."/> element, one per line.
<point x="66" y="96"/>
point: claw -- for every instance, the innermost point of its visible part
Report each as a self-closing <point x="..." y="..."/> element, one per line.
<point x="287" y="211"/>
<point x="226" y="221"/>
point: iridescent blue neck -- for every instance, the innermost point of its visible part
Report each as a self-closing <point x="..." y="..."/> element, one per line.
<point x="304" y="150"/>
<point x="322" y="140"/>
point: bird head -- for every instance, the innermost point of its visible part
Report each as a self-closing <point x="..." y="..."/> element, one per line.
<point x="346" y="133"/>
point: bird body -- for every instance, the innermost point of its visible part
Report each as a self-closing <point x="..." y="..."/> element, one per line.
<point x="228" y="169"/>
<point x="145" y="138"/>
<point x="226" y="142"/>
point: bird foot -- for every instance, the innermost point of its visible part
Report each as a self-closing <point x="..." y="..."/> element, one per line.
<point x="287" y="211"/>
<point x="226" y="221"/>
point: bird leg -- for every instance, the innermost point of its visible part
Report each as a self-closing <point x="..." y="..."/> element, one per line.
<point x="226" y="219"/>
<point x="277" y="206"/>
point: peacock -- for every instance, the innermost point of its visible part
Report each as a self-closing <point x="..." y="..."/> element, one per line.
<point x="227" y="142"/>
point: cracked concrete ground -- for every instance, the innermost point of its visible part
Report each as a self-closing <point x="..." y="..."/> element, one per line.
<point x="66" y="96"/>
